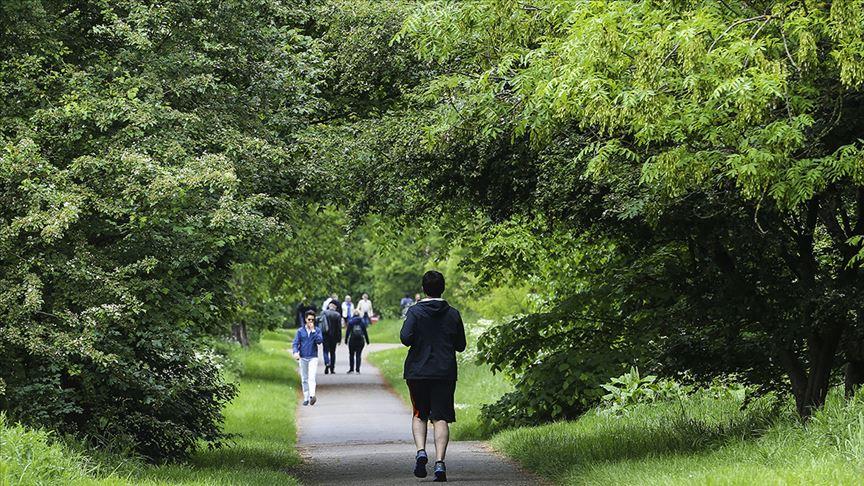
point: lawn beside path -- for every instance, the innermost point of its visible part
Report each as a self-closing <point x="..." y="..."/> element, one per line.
<point x="263" y="452"/>
<point x="704" y="439"/>
<point x="263" y="416"/>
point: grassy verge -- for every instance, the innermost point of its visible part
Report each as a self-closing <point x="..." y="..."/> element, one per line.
<point x="385" y="331"/>
<point x="262" y="415"/>
<point x="710" y="441"/>
<point x="476" y="386"/>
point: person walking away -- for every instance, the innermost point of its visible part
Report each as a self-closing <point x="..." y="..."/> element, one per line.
<point x="332" y="336"/>
<point x="356" y="338"/>
<point x="365" y="308"/>
<point x="434" y="333"/>
<point x="347" y="309"/>
<point x="405" y="303"/>
<point x="333" y="298"/>
<point x="305" y="349"/>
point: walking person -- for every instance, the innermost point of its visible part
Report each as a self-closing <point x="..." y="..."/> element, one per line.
<point x="365" y="309"/>
<point x="302" y="308"/>
<point x="434" y="333"/>
<point x="332" y="335"/>
<point x="347" y="309"/>
<point x="405" y="303"/>
<point x="305" y="349"/>
<point x="356" y="338"/>
<point x="333" y="298"/>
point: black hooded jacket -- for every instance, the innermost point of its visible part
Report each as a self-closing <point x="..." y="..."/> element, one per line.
<point x="434" y="332"/>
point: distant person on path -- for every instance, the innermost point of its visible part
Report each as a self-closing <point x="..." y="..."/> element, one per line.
<point x="356" y="338"/>
<point x="416" y="298"/>
<point x="333" y="298"/>
<point x="434" y="332"/>
<point x="405" y="303"/>
<point x="332" y="336"/>
<point x="302" y="308"/>
<point x="347" y="309"/>
<point x="365" y="309"/>
<point x="305" y="349"/>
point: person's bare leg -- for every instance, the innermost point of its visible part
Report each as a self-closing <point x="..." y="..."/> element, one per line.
<point x="442" y="438"/>
<point x="418" y="428"/>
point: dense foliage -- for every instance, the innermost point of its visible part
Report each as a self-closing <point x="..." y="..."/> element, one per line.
<point x="677" y="185"/>
<point x="713" y="147"/>
<point x="145" y="149"/>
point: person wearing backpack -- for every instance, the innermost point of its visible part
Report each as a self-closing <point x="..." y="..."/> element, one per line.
<point x="356" y="338"/>
<point x="434" y="333"/>
<point x="331" y="328"/>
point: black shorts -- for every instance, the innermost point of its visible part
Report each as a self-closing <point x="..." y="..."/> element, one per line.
<point x="433" y="399"/>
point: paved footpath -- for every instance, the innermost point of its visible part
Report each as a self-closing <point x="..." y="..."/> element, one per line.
<point x="359" y="433"/>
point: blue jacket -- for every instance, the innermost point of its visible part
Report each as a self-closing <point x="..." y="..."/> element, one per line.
<point x="306" y="343"/>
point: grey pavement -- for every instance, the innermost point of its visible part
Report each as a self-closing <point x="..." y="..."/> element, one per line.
<point x="359" y="433"/>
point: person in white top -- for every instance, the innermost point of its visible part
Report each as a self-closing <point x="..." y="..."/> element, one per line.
<point x="347" y="309"/>
<point x="365" y="309"/>
<point x="333" y="298"/>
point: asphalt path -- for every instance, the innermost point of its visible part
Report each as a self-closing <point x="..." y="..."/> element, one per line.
<point x="359" y="433"/>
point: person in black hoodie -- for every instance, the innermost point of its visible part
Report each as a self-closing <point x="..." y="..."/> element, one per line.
<point x="435" y="333"/>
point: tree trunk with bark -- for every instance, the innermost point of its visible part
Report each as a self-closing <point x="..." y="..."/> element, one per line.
<point x="810" y="386"/>
<point x="854" y="377"/>
<point x="239" y="334"/>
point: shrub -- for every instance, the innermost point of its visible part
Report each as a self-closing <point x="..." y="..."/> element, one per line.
<point x="631" y="389"/>
<point x="157" y="393"/>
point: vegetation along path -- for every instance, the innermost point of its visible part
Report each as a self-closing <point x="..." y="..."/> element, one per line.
<point x="359" y="433"/>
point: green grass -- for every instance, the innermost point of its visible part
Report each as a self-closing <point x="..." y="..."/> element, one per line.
<point x="715" y="443"/>
<point x="476" y="386"/>
<point x="262" y="454"/>
<point x="34" y="457"/>
<point x="385" y="331"/>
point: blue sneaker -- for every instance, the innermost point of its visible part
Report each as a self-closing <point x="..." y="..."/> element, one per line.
<point x="440" y="473"/>
<point x="420" y="465"/>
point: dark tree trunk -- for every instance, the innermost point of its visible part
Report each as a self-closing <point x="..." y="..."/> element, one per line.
<point x="854" y="377"/>
<point x="810" y="387"/>
<point x="238" y="332"/>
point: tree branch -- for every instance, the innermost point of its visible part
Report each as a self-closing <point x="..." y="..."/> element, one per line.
<point x="736" y="24"/>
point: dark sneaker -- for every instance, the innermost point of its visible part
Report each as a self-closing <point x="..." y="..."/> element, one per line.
<point x="440" y="473"/>
<point x="420" y="465"/>
<point x="350" y="372"/>
<point x="312" y="400"/>
<point x="327" y="370"/>
<point x="305" y="402"/>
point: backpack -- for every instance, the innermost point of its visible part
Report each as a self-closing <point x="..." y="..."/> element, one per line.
<point x="357" y="332"/>
<point x="323" y="323"/>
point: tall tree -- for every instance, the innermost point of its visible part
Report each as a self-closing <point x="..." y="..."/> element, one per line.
<point x="145" y="148"/>
<point x="715" y="145"/>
